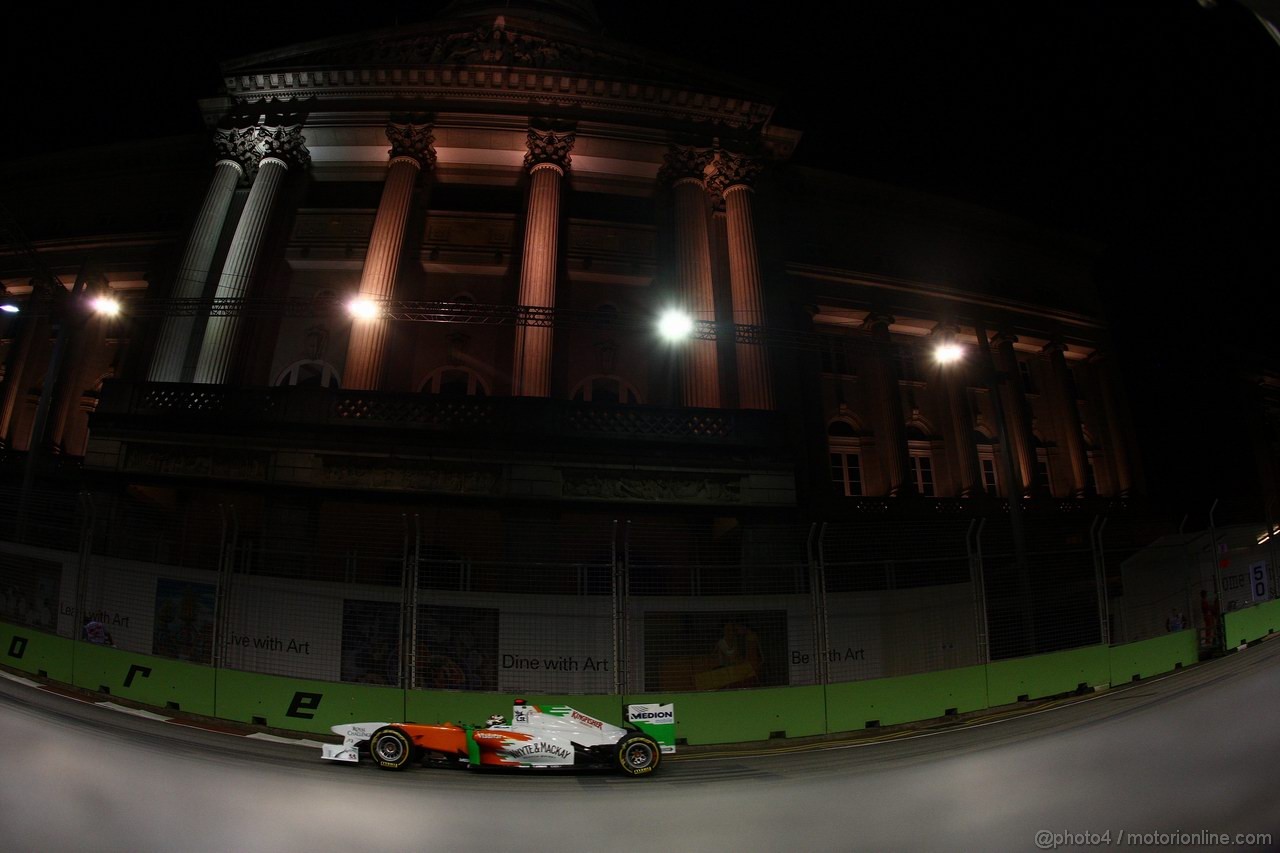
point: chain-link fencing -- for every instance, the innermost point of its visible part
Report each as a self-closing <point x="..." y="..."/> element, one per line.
<point x="469" y="598"/>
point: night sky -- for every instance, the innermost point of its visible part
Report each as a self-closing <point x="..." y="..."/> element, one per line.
<point x="1152" y="127"/>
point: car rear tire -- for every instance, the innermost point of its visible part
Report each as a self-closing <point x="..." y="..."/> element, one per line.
<point x="638" y="755"/>
<point x="391" y="748"/>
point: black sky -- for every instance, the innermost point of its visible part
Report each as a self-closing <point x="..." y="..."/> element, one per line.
<point x="1151" y="127"/>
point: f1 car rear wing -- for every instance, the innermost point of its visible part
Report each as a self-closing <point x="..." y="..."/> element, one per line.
<point x="657" y="721"/>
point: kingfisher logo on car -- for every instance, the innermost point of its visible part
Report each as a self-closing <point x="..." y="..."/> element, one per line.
<point x="579" y="717"/>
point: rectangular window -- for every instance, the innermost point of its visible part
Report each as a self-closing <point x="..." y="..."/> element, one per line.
<point x="835" y="356"/>
<point x="1042" y="468"/>
<point x="905" y="356"/>
<point x="922" y="471"/>
<point x="846" y="474"/>
<point x="989" y="481"/>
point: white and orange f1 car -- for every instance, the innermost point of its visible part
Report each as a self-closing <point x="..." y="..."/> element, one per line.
<point x="551" y="736"/>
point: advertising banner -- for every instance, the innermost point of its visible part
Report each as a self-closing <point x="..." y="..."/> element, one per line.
<point x="276" y="627"/>
<point x="566" y="647"/>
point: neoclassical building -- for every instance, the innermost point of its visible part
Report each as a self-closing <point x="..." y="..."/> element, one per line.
<point x="426" y="265"/>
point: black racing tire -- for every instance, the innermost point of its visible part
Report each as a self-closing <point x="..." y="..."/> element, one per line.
<point x="638" y="755"/>
<point x="391" y="748"/>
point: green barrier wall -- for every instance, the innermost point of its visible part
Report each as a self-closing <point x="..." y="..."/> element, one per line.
<point x="1047" y="675"/>
<point x="438" y="706"/>
<point x="303" y="705"/>
<point x="36" y="652"/>
<point x="904" y="699"/>
<point x="1252" y="623"/>
<point x="150" y="680"/>
<point x="736" y="716"/>
<point x="1152" y="657"/>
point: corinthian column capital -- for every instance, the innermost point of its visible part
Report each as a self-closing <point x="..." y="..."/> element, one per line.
<point x="684" y="162"/>
<point x="1004" y="337"/>
<point x="548" y="149"/>
<point x="878" y="322"/>
<point x="413" y="141"/>
<point x="282" y="142"/>
<point x="234" y="145"/>
<point x="727" y="172"/>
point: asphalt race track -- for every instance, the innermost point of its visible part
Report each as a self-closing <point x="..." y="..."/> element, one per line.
<point x="1193" y="752"/>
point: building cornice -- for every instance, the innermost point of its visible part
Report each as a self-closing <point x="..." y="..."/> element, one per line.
<point x="932" y="291"/>
<point x="502" y="89"/>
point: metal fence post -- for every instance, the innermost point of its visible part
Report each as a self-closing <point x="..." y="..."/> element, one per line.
<point x="1096" y="528"/>
<point x="621" y="614"/>
<point x="818" y="597"/>
<point x="1273" y="533"/>
<point x="82" y="576"/>
<point x="405" y="652"/>
<point x="228" y="541"/>
<point x="617" y="587"/>
<point x="973" y="544"/>
<point x="410" y="602"/>
<point x="1218" y="640"/>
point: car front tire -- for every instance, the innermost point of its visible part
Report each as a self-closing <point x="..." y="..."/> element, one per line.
<point x="391" y="748"/>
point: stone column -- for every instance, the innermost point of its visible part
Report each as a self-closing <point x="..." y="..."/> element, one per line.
<point x="279" y="146"/>
<point x="1068" y="415"/>
<point x="28" y="326"/>
<point x="891" y="423"/>
<point x="1118" y="439"/>
<point x="725" y="338"/>
<point x="411" y="152"/>
<point x="233" y="148"/>
<point x="954" y="384"/>
<point x="684" y="169"/>
<point x="1017" y="416"/>
<point x="547" y="162"/>
<point x="731" y="176"/>
<point x="85" y="336"/>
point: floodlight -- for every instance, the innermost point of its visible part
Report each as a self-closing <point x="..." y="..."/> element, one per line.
<point x="105" y="305"/>
<point x="362" y="308"/>
<point x="675" y="325"/>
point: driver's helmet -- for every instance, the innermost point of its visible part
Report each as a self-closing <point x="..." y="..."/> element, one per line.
<point x="496" y="720"/>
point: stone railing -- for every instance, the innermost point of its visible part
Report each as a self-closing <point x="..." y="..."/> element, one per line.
<point x="161" y="406"/>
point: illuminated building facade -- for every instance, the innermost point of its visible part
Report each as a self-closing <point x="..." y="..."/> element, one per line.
<point x="518" y="199"/>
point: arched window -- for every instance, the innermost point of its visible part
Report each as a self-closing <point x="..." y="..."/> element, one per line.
<point x="455" y="382"/>
<point x="844" y="448"/>
<point x="605" y="389"/>
<point x="604" y="315"/>
<point x="310" y="373"/>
